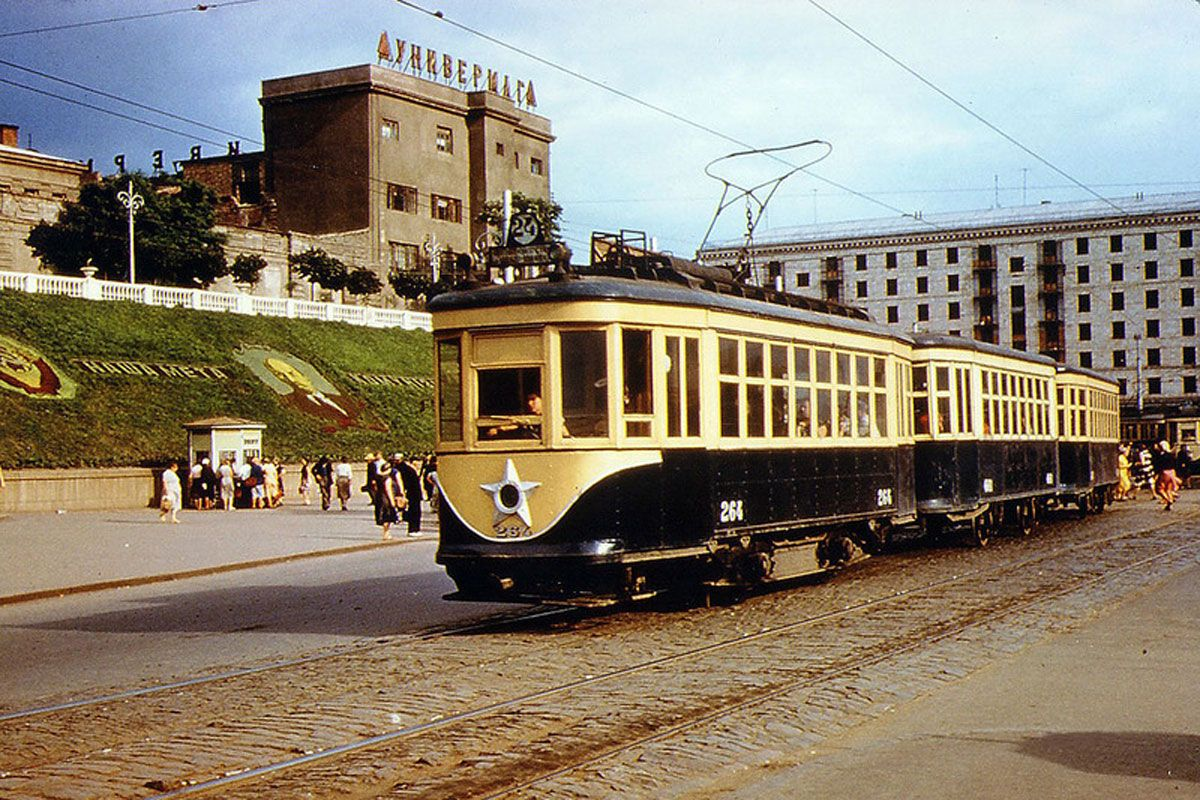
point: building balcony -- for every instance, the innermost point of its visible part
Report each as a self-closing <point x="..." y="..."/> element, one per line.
<point x="984" y="265"/>
<point x="985" y="291"/>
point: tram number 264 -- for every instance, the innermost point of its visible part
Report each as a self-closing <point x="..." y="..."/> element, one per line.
<point x="732" y="511"/>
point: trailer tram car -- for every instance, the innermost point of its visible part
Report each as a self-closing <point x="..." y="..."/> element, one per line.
<point x="611" y="435"/>
<point x="1088" y="436"/>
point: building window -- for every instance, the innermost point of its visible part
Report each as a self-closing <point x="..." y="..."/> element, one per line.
<point x="1189" y="356"/>
<point x="444" y="140"/>
<point x="1189" y="384"/>
<point x="1185" y="238"/>
<point x="1085" y="332"/>
<point x="499" y="148"/>
<point x="1150" y="270"/>
<point x="922" y="258"/>
<point x="1118" y="329"/>
<point x="893" y="287"/>
<point x="1154" y="357"/>
<point x="1016" y="264"/>
<point x="536" y="166"/>
<point x="1118" y="301"/>
<point x="893" y="314"/>
<point x="1115" y="243"/>
<point x="1152" y="298"/>
<point x="951" y="283"/>
<point x="389" y="130"/>
<point x="1082" y="274"/>
<point x="1122" y="386"/>
<point x="1154" y="386"/>
<point x="951" y="255"/>
<point x="1081" y="246"/>
<point x="802" y="280"/>
<point x="1117" y="272"/>
<point x="1151" y="329"/>
<point x="402" y="198"/>
<point x="1118" y="359"/>
<point x="1085" y="359"/>
<point x="447" y="209"/>
<point x="890" y="260"/>
<point x="923" y="312"/>
<point x="1150" y="241"/>
<point x="860" y="262"/>
<point x="860" y="289"/>
<point x="516" y="160"/>
<point x="1187" y="268"/>
<point x="923" y="285"/>
<point x="1017" y="293"/>
<point x="1187" y="297"/>
<point x="953" y="311"/>
<point x="1187" y="326"/>
<point x="1085" y="303"/>
<point x="404" y="257"/>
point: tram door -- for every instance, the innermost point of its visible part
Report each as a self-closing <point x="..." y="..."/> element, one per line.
<point x="683" y="386"/>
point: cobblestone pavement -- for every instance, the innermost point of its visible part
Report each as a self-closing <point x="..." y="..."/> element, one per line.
<point x="645" y="703"/>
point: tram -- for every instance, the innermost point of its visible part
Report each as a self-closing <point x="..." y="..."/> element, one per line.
<point x="648" y="425"/>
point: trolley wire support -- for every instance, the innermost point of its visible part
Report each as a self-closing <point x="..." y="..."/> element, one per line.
<point x="756" y="206"/>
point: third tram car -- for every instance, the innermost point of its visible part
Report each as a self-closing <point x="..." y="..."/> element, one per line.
<point x="648" y="424"/>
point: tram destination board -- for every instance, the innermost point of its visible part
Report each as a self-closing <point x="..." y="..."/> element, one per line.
<point x="527" y="256"/>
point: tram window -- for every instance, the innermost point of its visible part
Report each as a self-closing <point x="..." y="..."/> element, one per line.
<point x="921" y="415"/>
<point x="691" y="350"/>
<point x="674" y="387"/>
<point x="824" y="412"/>
<point x="843" y="369"/>
<point x="450" y="417"/>
<point x="987" y="418"/>
<point x="803" y="411"/>
<point x="920" y="380"/>
<point x="636" y="388"/>
<point x="943" y="413"/>
<point x="880" y="373"/>
<point x="824" y="371"/>
<point x="727" y="356"/>
<point x="943" y="379"/>
<point x="779" y="411"/>
<point x="862" y="414"/>
<point x="779" y="365"/>
<point x="510" y="403"/>
<point x="965" y="384"/>
<point x="584" y="384"/>
<point x="803" y="369"/>
<point x="754" y="359"/>
<point x="754" y="411"/>
<point x="844" y="418"/>
<point x="881" y="415"/>
<point x="862" y="369"/>
<point x="729" y="409"/>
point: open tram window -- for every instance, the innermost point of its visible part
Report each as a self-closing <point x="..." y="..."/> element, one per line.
<point x="510" y="403"/>
<point x="638" y="400"/>
<point x="584" y="384"/>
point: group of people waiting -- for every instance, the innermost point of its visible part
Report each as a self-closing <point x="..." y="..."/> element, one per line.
<point x="1157" y="467"/>
<point x="395" y="485"/>
<point x="254" y="483"/>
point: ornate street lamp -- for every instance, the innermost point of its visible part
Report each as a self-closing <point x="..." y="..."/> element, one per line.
<point x="132" y="202"/>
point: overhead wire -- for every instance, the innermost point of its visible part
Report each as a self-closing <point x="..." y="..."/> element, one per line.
<point x="198" y="7"/>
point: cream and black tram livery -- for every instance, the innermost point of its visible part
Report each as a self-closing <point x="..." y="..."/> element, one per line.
<point x="612" y="433"/>
<point x="1088" y="416"/>
<point x="986" y="445"/>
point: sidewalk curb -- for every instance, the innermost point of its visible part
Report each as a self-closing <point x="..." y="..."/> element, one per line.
<point x="217" y="569"/>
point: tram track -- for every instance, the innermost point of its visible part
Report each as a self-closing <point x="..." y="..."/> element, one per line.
<point x="607" y="689"/>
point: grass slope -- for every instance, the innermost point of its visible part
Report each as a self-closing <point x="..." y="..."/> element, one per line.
<point x="136" y="420"/>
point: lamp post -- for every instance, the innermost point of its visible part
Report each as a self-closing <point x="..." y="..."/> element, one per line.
<point x="132" y="202"/>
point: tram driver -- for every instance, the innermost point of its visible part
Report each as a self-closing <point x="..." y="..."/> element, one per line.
<point x="520" y="428"/>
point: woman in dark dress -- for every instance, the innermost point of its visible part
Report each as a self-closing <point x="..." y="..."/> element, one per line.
<point x="388" y="496"/>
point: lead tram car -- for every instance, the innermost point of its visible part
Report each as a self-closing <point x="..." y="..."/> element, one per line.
<point x="648" y="424"/>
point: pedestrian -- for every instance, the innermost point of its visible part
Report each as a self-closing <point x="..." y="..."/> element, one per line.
<point x="429" y="479"/>
<point x="172" y="494"/>
<point x="258" y="492"/>
<point x="323" y="475"/>
<point x="1166" y="482"/>
<point x="374" y="461"/>
<point x="1124" y="481"/>
<point x="270" y="484"/>
<point x="343" y="475"/>
<point x="304" y="480"/>
<point x="227" y="486"/>
<point x="410" y="479"/>
<point x="206" y="485"/>
<point x="388" y="498"/>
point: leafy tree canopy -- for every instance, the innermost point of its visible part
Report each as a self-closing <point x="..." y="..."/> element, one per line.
<point x="319" y="267"/>
<point x="174" y="240"/>
<point x="362" y="282"/>
<point x="247" y="268"/>
<point x="416" y="286"/>
<point x="547" y="213"/>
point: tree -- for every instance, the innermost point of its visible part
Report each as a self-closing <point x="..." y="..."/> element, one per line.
<point x="174" y="240"/>
<point x="545" y="211"/>
<point x="416" y="286"/>
<point x="362" y="282"/>
<point x="319" y="267"/>
<point x="247" y="268"/>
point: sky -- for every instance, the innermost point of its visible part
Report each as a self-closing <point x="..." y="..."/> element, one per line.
<point x="925" y="105"/>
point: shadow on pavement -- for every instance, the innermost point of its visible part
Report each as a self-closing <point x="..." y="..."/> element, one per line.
<point x="1168" y="756"/>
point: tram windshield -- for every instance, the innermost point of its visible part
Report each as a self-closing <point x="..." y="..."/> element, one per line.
<point x="510" y="403"/>
<point x="584" y="384"/>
